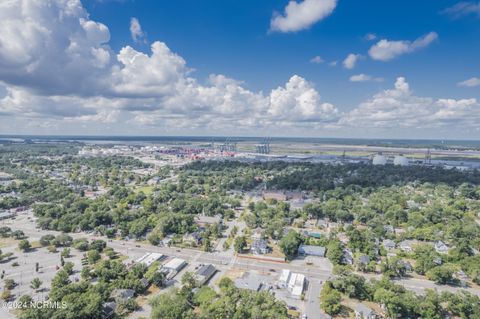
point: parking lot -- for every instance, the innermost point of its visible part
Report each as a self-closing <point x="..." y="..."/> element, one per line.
<point x="25" y="272"/>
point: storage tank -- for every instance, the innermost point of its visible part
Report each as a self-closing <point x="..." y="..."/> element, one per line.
<point x="379" y="160"/>
<point x="400" y="160"/>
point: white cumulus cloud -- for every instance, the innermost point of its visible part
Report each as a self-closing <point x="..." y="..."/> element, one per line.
<point x="364" y="78"/>
<point x="463" y="8"/>
<point x="400" y="108"/>
<point x="472" y="82"/>
<point x="57" y="65"/>
<point x="385" y="50"/>
<point x="351" y="60"/>
<point x="136" y="30"/>
<point x="302" y="15"/>
<point x="317" y="59"/>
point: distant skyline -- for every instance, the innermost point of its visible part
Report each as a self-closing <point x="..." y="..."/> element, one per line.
<point x="312" y="68"/>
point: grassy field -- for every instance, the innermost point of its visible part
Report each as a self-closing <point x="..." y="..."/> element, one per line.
<point x="147" y="190"/>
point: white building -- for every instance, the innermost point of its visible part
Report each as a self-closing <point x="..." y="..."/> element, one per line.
<point x="400" y="160"/>
<point x="296" y="283"/>
<point x="176" y="264"/>
<point x="149" y="258"/>
<point x="284" y="277"/>
<point x="293" y="282"/>
<point x="379" y="160"/>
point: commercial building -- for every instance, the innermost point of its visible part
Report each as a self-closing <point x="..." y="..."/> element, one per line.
<point x="204" y="273"/>
<point x="252" y="282"/>
<point x="149" y="258"/>
<point x="176" y="264"/>
<point x="293" y="282"/>
<point x="379" y="160"/>
<point x="284" y="277"/>
<point x="296" y="284"/>
<point x="400" y="160"/>
<point x="308" y="250"/>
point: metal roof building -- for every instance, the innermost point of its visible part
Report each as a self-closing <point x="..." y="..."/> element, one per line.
<point x="309" y="250"/>
<point x="204" y="273"/>
<point x="176" y="264"/>
<point x="149" y="258"/>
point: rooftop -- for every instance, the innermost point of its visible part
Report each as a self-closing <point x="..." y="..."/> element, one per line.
<point x="206" y="271"/>
<point x="175" y="264"/>
<point x="311" y="250"/>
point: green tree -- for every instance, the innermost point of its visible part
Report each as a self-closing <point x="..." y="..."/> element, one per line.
<point x="206" y="244"/>
<point x="330" y="299"/>
<point x="24" y="245"/>
<point x="9" y="284"/>
<point x="289" y="244"/>
<point x="35" y="284"/>
<point x="60" y="280"/>
<point x="46" y="240"/>
<point x="239" y="244"/>
<point x="441" y="274"/>
<point x="335" y="252"/>
<point x="93" y="256"/>
<point x="66" y="252"/>
<point x="171" y="306"/>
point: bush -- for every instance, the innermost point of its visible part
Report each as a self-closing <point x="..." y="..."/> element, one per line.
<point x="46" y="240"/>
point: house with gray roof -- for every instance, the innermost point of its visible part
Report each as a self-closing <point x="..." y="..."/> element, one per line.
<point x="204" y="273"/>
<point x="259" y="247"/>
<point x="308" y="250"/>
<point x="122" y="295"/>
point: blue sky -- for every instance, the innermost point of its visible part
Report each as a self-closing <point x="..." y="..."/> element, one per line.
<point x="231" y="37"/>
<point x="417" y="74"/>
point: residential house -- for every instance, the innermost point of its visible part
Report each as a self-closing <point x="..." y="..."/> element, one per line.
<point x="364" y="260"/>
<point x="259" y="247"/>
<point x="437" y="260"/>
<point x="347" y="257"/>
<point x="405" y="264"/>
<point x="108" y="309"/>
<point x="389" y="244"/>
<point x="407" y="245"/>
<point x="193" y="238"/>
<point x="441" y="247"/>
<point x="389" y="229"/>
<point x="122" y="295"/>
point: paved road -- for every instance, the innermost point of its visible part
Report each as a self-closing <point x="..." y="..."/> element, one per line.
<point x="221" y="260"/>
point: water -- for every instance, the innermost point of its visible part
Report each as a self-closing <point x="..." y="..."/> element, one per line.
<point x="414" y="143"/>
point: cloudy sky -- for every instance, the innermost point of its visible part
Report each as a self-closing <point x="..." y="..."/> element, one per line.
<point x="319" y="68"/>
